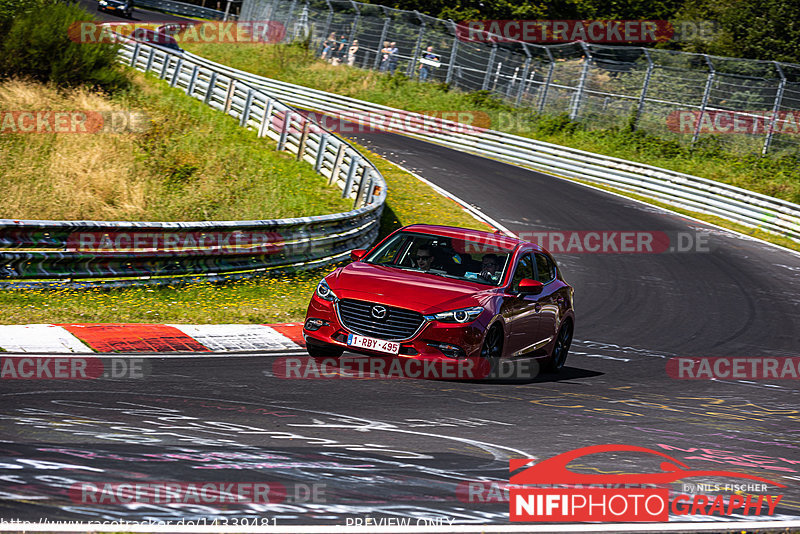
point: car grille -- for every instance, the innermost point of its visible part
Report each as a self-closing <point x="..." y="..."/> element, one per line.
<point x="397" y="324"/>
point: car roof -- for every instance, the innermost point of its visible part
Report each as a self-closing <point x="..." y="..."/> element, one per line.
<point x="489" y="238"/>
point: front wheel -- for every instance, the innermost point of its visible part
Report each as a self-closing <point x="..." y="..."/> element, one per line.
<point x="323" y="351"/>
<point x="491" y="350"/>
<point x="561" y="349"/>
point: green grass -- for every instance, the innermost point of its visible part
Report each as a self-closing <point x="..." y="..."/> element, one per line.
<point x="282" y="298"/>
<point x="779" y="177"/>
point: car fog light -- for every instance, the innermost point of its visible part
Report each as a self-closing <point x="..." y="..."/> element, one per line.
<point x="451" y="351"/>
<point x="312" y="325"/>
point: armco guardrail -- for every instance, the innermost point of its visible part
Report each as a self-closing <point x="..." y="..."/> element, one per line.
<point x="673" y="188"/>
<point x="181" y="8"/>
<point x="164" y="251"/>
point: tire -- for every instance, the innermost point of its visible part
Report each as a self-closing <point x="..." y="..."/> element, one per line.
<point x="323" y="351"/>
<point x="492" y="349"/>
<point x="561" y="348"/>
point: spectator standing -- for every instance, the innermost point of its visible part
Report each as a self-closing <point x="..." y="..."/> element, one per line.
<point x="427" y="63"/>
<point x="327" y="46"/>
<point x="385" y="56"/>
<point x="351" y="53"/>
<point x="393" y="56"/>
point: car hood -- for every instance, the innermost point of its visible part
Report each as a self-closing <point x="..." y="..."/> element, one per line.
<point x="422" y="292"/>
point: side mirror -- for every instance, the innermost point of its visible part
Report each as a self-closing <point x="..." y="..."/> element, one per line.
<point x="357" y="254"/>
<point x="528" y="286"/>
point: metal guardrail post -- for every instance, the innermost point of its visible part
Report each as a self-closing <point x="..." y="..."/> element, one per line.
<point x="301" y="147"/>
<point x="704" y="103"/>
<point x="453" y="53"/>
<point x="488" y="75"/>
<point x="264" y="126"/>
<point x="525" y="69"/>
<point x="384" y="31"/>
<point x="165" y="66"/>
<point x="415" y="56"/>
<point x="351" y="174"/>
<point x="576" y="103"/>
<point x="548" y="80"/>
<point x="177" y="73"/>
<point x="366" y="180"/>
<point x="192" y="80"/>
<point x="212" y="83"/>
<point x="287" y="121"/>
<point x="229" y="96"/>
<point x="135" y="55"/>
<point x="150" y="57"/>
<point x="323" y="146"/>
<point x="336" y="164"/>
<point x="246" y="110"/>
<point x="776" y="109"/>
<point x="645" y="86"/>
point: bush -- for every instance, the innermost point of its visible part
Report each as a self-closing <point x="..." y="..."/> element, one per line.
<point x="38" y="46"/>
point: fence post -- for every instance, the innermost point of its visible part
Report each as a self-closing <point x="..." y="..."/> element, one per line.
<point x="353" y="29"/>
<point x="351" y="174"/>
<point x="229" y="96"/>
<point x="386" y="22"/>
<point x="212" y="83"/>
<point x="366" y="181"/>
<point x="289" y="18"/>
<point x="548" y="80"/>
<point x="246" y="111"/>
<point x="264" y="127"/>
<point x="177" y="73"/>
<point x="301" y="147"/>
<point x="323" y="146"/>
<point x="192" y="80"/>
<point x="337" y="163"/>
<point x="413" y="63"/>
<point x="525" y="69"/>
<point x="576" y="104"/>
<point x="488" y="75"/>
<point x="497" y="75"/>
<point x="704" y="102"/>
<point x="776" y="109"/>
<point x="135" y="55"/>
<point x="645" y="85"/>
<point x="165" y="66"/>
<point x="150" y="57"/>
<point x="328" y="21"/>
<point x="287" y="120"/>
<point x="453" y="53"/>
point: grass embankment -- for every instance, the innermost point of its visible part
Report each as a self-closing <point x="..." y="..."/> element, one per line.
<point x="779" y="177"/>
<point x="192" y="163"/>
<point x="262" y="300"/>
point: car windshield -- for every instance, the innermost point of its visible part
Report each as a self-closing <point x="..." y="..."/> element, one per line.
<point x="480" y="261"/>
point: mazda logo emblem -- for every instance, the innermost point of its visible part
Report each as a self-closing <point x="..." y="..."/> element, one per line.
<point x="379" y="312"/>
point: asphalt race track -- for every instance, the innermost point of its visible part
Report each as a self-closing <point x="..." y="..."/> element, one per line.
<point x="410" y="448"/>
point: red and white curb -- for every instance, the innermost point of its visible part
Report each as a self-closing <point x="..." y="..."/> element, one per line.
<point x="109" y="337"/>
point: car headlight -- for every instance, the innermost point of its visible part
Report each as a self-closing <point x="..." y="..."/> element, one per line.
<point x="463" y="315"/>
<point x="324" y="292"/>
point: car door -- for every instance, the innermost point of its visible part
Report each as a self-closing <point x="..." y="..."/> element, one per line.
<point x="550" y="299"/>
<point x="522" y="312"/>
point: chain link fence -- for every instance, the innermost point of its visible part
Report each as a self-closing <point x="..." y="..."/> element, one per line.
<point x="673" y="95"/>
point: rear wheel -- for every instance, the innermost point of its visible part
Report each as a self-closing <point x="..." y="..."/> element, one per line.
<point x="561" y="349"/>
<point x="492" y="349"/>
<point x="323" y="351"/>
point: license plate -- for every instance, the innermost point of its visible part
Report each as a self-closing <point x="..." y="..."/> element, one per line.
<point x="378" y="345"/>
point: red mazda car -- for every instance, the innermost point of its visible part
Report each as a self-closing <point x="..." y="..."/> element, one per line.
<point x="438" y="292"/>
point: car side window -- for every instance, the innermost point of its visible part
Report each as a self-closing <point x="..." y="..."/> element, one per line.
<point x="524" y="270"/>
<point x="545" y="270"/>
